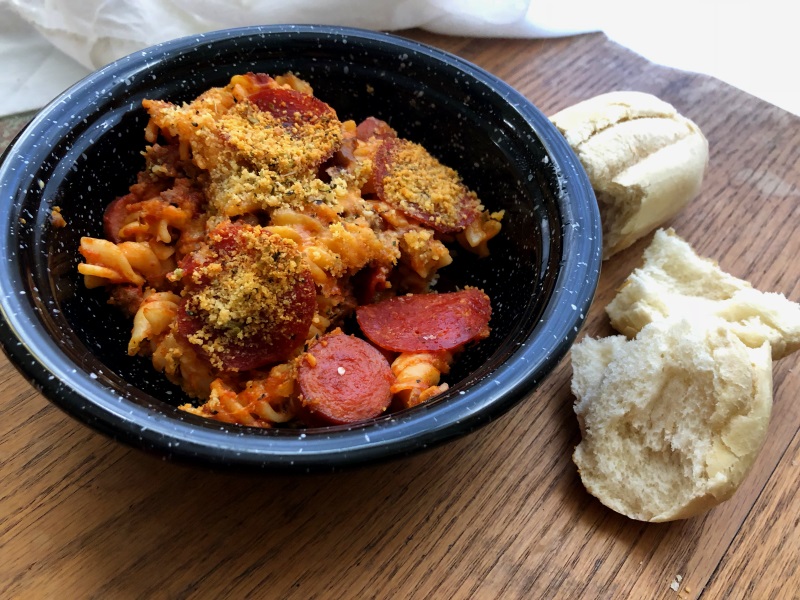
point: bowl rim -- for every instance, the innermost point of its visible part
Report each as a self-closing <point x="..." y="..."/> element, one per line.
<point x="86" y="399"/>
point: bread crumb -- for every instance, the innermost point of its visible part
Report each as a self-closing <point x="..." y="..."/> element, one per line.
<point x="56" y="218"/>
<point x="676" y="584"/>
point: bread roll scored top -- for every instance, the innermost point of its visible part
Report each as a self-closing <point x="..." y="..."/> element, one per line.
<point x="675" y="281"/>
<point x="644" y="160"/>
<point x="671" y="421"/>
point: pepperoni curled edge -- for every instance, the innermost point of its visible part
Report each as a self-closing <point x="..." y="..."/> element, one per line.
<point x="114" y="217"/>
<point x="344" y="379"/>
<point x="290" y="106"/>
<point x="248" y="298"/>
<point x="427" y="322"/>
<point x="374" y="128"/>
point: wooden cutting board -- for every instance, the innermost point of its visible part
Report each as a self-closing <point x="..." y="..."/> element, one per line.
<point x="498" y="514"/>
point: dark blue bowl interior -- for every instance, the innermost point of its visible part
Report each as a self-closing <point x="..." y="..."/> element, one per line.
<point x="84" y="149"/>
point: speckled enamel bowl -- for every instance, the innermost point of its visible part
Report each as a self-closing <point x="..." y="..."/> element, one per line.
<point x="83" y="149"/>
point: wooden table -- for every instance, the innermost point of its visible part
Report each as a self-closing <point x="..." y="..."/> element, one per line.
<point x="498" y="514"/>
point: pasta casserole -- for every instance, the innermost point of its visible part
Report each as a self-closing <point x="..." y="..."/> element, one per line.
<point x="259" y="227"/>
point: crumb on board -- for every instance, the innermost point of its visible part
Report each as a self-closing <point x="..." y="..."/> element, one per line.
<point x="676" y="583"/>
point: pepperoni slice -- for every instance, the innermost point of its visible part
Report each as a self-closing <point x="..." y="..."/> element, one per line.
<point x="114" y="216"/>
<point x="409" y="178"/>
<point x="127" y="297"/>
<point x="344" y="379"/>
<point x="248" y="298"/>
<point x="290" y="106"/>
<point x="370" y="282"/>
<point x="426" y="322"/>
<point x="372" y="127"/>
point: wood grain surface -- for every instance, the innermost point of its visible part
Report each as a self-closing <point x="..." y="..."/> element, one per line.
<point x="498" y="514"/>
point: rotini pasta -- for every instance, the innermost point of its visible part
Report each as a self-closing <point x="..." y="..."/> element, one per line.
<point x="259" y="225"/>
<point x="417" y="376"/>
<point x="152" y="319"/>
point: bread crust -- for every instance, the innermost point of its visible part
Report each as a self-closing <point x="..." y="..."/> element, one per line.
<point x="644" y="160"/>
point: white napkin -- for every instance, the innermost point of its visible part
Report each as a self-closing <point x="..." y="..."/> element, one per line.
<point x="46" y="45"/>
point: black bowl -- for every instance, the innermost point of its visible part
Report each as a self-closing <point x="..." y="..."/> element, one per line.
<point x="84" y="148"/>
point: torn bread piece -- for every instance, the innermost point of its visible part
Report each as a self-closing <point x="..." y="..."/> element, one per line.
<point x="675" y="281"/>
<point x="645" y="161"/>
<point x="672" y="420"/>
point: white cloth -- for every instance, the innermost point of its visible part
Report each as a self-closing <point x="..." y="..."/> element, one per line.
<point x="46" y="45"/>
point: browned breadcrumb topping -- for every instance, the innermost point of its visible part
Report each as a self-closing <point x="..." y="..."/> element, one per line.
<point x="249" y="292"/>
<point x="418" y="181"/>
<point x="255" y="160"/>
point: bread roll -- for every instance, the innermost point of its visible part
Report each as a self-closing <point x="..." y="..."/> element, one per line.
<point x="644" y="160"/>
<point x="671" y="420"/>
<point x="675" y="281"/>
